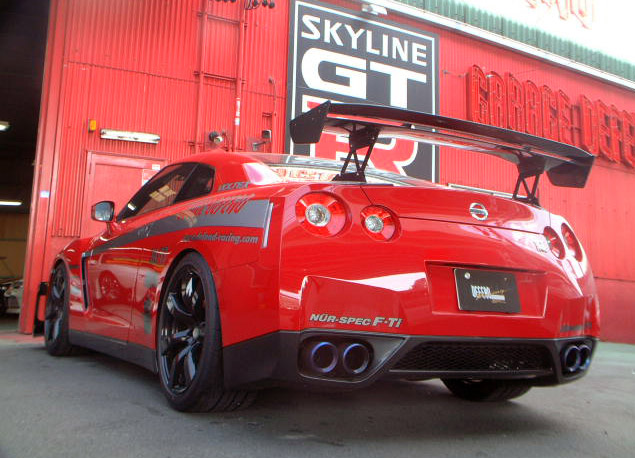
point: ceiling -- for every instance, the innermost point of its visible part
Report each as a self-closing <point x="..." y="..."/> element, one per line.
<point x="23" y="28"/>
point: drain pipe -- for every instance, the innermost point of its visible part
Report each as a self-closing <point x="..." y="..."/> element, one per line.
<point x="199" y="146"/>
<point x="239" y="77"/>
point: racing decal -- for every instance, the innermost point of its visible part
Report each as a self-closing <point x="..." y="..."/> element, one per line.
<point x="233" y="186"/>
<point x="223" y="206"/>
<point x="358" y="321"/>
<point x="350" y="56"/>
<point x="219" y="237"/>
<point x="237" y="211"/>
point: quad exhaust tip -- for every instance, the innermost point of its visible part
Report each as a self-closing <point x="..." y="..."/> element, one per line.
<point x="576" y="358"/>
<point x="322" y="357"/>
<point x="355" y="358"/>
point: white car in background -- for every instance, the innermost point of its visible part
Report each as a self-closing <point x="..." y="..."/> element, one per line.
<point x="11" y="296"/>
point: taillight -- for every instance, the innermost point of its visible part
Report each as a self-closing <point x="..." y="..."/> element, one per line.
<point x="379" y="223"/>
<point x="572" y="242"/>
<point x="321" y="214"/>
<point x="555" y="244"/>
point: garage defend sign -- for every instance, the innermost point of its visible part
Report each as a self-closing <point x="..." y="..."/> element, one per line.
<point x="354" y="57"/>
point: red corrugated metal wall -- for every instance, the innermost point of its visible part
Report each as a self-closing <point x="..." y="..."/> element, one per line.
<point x="176" y="68"/>
<point x="170" y="67"/>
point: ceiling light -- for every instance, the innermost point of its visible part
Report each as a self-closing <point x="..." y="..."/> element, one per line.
<point x="141" y="137"/>
<point x="4" y="126"/>
<point x="10" y="203"/>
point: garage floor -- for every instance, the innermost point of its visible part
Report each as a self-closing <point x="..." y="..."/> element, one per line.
<point x="95" y="406"/>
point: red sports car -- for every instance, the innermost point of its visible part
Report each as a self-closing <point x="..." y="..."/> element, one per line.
<point x="230" y="272"/>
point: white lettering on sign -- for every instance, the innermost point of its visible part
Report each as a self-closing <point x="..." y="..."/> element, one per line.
<point x="348" y="67"/>
<point x="344" y="66"/>
<point x="385" y="45"/>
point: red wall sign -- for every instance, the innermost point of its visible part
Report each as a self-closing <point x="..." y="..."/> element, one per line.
<point x="503" y="101"/>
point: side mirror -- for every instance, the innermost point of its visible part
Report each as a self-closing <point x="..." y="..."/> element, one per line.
<point x="103" y="211"/>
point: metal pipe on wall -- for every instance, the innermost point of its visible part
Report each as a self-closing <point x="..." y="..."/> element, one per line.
<point x="198" y="142"/>
<point x="239" y="78"/>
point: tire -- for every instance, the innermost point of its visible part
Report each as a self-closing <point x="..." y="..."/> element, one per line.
<point x="56" y="315"/>
<point x="189" y="344"/>
<point x="486" y="390"/>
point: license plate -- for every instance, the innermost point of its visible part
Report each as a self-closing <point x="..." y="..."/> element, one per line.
<point x="487" y="291"/>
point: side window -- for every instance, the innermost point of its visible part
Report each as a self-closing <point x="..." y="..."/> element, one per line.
<point x="159" y="192"/>
<point x="199" y="183"/>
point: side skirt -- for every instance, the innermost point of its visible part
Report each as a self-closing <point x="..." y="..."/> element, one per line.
<point x="133" y="353"/>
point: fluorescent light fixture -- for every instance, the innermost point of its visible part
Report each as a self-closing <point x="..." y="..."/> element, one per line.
<point x="10" y="203"/>
<point x="4" y="125"/>
<point x="126" y="136"/>
<point x="372" y="8"/>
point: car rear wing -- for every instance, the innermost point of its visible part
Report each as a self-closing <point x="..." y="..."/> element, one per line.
<point x="565" y="165"/>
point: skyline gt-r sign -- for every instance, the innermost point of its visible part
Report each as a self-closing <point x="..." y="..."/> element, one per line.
<point x="349" y="56"/>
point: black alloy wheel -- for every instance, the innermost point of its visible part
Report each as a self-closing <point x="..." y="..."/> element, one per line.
<point x="182" y="330"/>
<point x="56" y="314"/>
<point x="189" y="343"/>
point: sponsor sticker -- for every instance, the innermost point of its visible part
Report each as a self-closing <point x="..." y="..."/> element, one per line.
<point x="377" y="321"/>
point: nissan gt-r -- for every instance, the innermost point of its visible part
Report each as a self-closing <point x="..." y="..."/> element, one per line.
<point x="230" y="272"/>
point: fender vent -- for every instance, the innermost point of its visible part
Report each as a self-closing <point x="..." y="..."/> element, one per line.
<point x="475" y="357"/>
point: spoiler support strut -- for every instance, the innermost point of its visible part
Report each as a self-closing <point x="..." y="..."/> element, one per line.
<point x="358" y="138"/>
<point x="532" y="166"/>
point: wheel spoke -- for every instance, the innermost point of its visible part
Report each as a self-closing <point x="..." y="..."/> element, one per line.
<point x="176" y="309"/>
<point x="177" y="369"/>
<point x="57" y="292"/>
<point x="48" y="331"/>
<point x="173" y="371"/>
<point x="51" y="312"/>
<point x="56" y="329"/>
<point x="176" y="340"/>
<point x="198" y="302"/>
<point x="190" y="366"/>
<point x="191" y="291"/>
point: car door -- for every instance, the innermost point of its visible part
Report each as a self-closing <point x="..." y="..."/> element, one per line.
<point x="154" y="252"/>
<point x="111" y="265"/>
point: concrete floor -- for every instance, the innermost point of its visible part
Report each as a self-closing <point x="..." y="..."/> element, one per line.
<point x="95" y="406"/>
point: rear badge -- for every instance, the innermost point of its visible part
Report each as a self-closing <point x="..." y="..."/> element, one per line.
<point x="478" y="211"/>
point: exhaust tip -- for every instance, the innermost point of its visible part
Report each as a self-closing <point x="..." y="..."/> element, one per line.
<point x="585" y="357"/>
<point x="320" y="357"/>
<point x="571" y="359"/>
<point x="355" y="358"/>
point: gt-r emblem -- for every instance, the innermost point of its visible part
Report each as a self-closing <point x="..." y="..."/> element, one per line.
<point x="478" y="211"/>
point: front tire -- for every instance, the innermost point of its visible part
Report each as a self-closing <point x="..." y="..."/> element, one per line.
<point x="189" y="345"/>
<point x="486" y="390"/>
<point x="56" y="314"/>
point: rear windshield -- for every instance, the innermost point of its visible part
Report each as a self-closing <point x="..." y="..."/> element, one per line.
<point x="276" y="168"/>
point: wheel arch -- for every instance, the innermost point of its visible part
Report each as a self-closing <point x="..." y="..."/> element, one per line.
<point x="170" y="270"/>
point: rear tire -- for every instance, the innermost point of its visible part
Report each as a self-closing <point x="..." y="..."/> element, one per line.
<point x="189" y="345"/>
<point x="486" y="390"/>
<point x="56" y="314"/>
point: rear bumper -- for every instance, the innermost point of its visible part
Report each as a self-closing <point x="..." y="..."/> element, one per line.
<point x="277" y="359"/>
